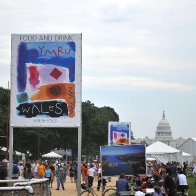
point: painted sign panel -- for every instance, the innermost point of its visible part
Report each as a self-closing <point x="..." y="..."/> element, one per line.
<point x="46" y="80"/>
<point x="127" y="159"/>
<point x="119" y="133"/>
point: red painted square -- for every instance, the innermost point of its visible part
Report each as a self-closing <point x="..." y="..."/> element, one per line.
<point x="56" y="73"/>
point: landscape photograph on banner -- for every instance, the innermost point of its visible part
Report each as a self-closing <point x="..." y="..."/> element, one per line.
<point x="119" y="133"/>
<point x="127" y="159"/>
<point x="46" y="79"/>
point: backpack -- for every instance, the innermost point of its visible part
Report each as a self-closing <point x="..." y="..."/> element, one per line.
<point x="15" y="169"/>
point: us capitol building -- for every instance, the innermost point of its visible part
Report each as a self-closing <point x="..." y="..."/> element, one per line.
<point x="164" y="134"/>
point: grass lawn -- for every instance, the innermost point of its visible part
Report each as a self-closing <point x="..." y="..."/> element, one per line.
<point x="192" y="185"/>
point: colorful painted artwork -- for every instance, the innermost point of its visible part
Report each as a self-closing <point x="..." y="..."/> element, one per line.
<point x="46" y="80"/>
<point x="127" y="159"/>
<point x="119" y="133"/>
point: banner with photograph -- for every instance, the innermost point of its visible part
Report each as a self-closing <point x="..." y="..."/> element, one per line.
<point x="127" y="159"/>
<point x="119" y="133"/>
<point x="46" y="80"/>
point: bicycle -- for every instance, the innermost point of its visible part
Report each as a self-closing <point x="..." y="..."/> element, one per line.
<point x="110" y="192"/>
<point x="89" y="191"/>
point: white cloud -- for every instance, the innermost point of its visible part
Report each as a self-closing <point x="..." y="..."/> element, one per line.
<point x="5" y="50"/>
<point x="131" y="58"/>
<point x="134" y="82"/>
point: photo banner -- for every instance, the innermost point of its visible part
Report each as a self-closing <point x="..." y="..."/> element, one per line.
<point x="119" y="133"/>
<point x="127" y="159"/>
<point x="46" y="80"/>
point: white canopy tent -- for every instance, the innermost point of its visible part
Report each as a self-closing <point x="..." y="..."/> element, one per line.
<point x="163" y="153"/>
<point x="189" y="146"/>
<point x="187" y="157"/>
<point x="52" y="155"/>
<point x="16" y="152"/>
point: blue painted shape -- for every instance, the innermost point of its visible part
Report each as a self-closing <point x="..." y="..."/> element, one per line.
<point x="21" y="67"/>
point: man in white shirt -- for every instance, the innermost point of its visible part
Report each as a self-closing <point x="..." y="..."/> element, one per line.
<point x="182" y="181"/>
<point x="91" y="174"/>
<point x="21" y="168"/>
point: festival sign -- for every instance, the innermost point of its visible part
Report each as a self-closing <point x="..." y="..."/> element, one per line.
<point x="127" y="159"/>
<point x="46" y="80"/>
<point x="119" y="133"/>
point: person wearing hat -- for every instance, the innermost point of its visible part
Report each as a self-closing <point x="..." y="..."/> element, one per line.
<point x="3" y="172"/>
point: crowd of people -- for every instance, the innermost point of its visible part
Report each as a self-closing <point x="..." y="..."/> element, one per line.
<point x="40" y="169"/>
<point x="51" y="169"/>
<point x="164" y="179"/>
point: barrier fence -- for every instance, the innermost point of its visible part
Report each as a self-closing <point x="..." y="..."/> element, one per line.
<point x="38" y="187"/>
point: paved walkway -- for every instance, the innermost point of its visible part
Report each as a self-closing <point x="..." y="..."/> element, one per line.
<point x="70" y="188"/>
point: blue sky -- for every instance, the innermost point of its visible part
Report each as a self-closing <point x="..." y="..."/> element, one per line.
<point x="138" y="56"/>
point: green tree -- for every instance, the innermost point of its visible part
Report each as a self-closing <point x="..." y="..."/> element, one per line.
<point x="4" y="114"/>
<point x="95" y="127"/>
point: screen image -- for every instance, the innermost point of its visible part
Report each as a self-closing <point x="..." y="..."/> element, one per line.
<point x="127" y="159"/>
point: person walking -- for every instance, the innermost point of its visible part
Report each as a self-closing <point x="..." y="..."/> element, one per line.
<point x="65" y="172"/>
<point x="71" y="172"/>
<point x="48" y="173"/>
<point x="52" y="168"/>
<point x="170" y="186"/>
<point x="15" y="171"/>
<point x="182" y="183"/>
<point x="60" y="177"/>
<point x="101" y="179"/>
<point x="21" y="169"/>
<point x="35" y="167"/>
<point x="28" y="174"/>
<point x="41" y="170"/>
<point x="91" y="175"/>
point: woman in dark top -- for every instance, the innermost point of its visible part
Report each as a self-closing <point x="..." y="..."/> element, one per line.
<point x="170" y="186"/>
<point x="27" y="171"/>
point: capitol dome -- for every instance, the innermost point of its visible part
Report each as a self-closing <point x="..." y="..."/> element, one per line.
<point x="163" y="131"/>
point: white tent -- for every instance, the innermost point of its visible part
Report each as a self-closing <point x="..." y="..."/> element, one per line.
<point x="189" y="146"/>
<point x="187" y="157"/>
<point x="52" y="155"/>
<point x="16" y="152"/>
<point x="163" y="153"/>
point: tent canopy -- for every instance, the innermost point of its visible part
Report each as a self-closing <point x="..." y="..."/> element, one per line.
<point x="163" y="153"/>
<point x="186" y="154"/>
<point x="189" y="146"/>
<point x="160" y="148"/>
<point x="187" y="157"/>
<point x="52" y="155"/>
<point x="16" y="152"/>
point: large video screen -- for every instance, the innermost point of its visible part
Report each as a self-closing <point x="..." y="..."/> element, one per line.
<point x="127" y="159"/>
